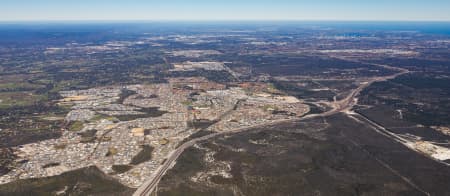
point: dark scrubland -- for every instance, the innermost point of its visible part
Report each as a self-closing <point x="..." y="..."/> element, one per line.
<point x="214" y="76"/>
<point x="7" y="157"/>
<point x="143" y="156"/>
<point x="118" y="169"/>
<point x="422" y="98"/>
<point x="423" y="64"/>
<point x="307" y="65"/>
<point x="301" y="92"/>
<point x="332" y="156"/>
<point x="86" y="181"/>
<point x="27" y="124"/>
<point x="389" y="118"/>
<point x="147" y="113"/>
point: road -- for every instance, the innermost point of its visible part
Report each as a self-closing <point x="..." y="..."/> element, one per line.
<point x="338" y="106"/>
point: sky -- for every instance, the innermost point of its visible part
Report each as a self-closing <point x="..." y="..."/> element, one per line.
<point x="329" y="10"/>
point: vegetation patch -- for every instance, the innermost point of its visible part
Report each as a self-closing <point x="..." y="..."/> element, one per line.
<point x="88" y="139"/>
<point x="20" y="86"/>
<point x="7" y="158"/>
<point x="143" y="156"/>
<point x="60" y="146"/>
<point x="111" y="152"/>
<point x="119" y="169"/>
<point x="125" y="93"/>
<point x="88" y="133"/>
<point x="86" y="181"/>
<point x="148" y="113"/>
<point x="201" y="123"/>
<point x="75" y="126"/>
<point x="50" y="165"/>
<point x="99" y="117"/>
<point x="11" y="99"/>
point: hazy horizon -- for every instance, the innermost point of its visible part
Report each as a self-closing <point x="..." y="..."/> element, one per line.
<point x="232" y="10"/>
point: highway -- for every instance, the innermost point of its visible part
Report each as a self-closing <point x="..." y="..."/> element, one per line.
<point x="338" y="106"/>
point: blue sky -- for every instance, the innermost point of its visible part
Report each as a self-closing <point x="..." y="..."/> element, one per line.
<point x="38" y="10"/>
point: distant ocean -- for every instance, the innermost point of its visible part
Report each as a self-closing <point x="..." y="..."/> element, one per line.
<point x="422" y="27"/>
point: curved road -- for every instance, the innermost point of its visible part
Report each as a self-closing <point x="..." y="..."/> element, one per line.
<point x="339" y="106"/>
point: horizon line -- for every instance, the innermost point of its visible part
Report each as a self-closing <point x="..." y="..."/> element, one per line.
<point x="212" y="20"/>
